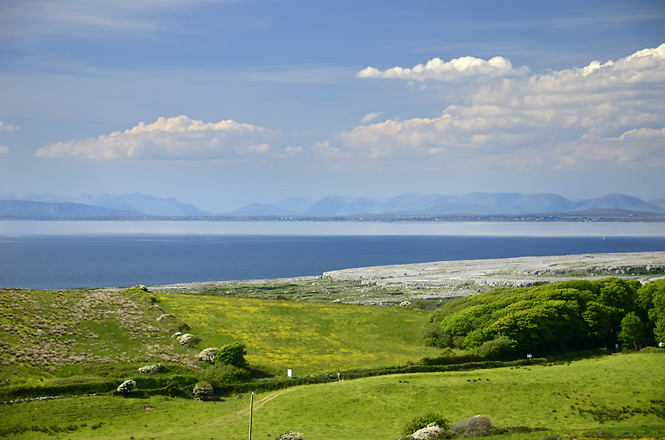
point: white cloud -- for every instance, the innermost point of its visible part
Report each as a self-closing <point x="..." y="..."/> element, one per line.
<point x="601" y="112"/>
<point x="169" y="138"/>
<point x="456" y="69"/>
<point x="7" y="127"/>
<point x="4" y="150"/>
<point x="369" y="117"/>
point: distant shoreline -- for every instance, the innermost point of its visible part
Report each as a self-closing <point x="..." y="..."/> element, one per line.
<point x="614" y="216"/>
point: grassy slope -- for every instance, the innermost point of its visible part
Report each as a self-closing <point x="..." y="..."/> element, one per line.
<point x="306" y="337"/>
<point x="376" y="408"/>
<point x="62" y="334"/>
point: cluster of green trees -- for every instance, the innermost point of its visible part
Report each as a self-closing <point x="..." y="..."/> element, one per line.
<point x="569" y="315"/>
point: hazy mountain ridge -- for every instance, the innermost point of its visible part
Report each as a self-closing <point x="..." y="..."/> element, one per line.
<point x="409" y="204"/>
<point x="137" y="204"/>
<point x="30" y="209"/>
<point x="472" y="203"/>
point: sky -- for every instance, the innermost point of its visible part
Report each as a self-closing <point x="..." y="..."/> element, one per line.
<point x="225" y="103"/>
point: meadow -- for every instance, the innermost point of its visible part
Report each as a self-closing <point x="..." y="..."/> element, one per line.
<point x="618" y="396"/>
<point x="304" y="336"/>
<point x="86" y="342"/>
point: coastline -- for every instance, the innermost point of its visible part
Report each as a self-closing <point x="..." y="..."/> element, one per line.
<point x="385" y="285"/>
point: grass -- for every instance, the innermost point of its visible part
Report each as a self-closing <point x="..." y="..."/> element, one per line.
<point x="306" y="337"/>
<point x="377" y="408"/>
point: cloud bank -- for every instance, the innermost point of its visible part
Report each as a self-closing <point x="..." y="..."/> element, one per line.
<point x="609" y="113"/>
<point x="169" y="138"/>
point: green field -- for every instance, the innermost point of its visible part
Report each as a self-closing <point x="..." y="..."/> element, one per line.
<point x="610" y="397"/>
<point x="81" y="341"/>
<point x="306" y="337"/>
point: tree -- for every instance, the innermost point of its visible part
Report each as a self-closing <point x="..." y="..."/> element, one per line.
<point x="232" y="354"/>
<point x="632" y="329"/>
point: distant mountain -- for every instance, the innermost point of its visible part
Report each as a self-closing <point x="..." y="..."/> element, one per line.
<point x="339" y="205"/>
<point x="620" y="201"/>
<point x="136" y="203"/>
<point x="22" y="209"/>
<point x="472" y="203"/>
<point x="149" y="205"/>
<point x="658" y="202"/>
<point x="261" y="210"/>
<point x="297" y="205"/>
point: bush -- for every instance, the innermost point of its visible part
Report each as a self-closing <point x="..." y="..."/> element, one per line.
<point x="224" y="374"/>
<point x="290" y="435"/>
<point x="202" y="389"/>
<point x="127" y="386"/>
<point x="476" y="426"/>
<point x="188" y="340"/>
<point x="424" y="420"/>
<point x="232" y="354"/>
<point x="498" y="348"/>
<point x="208" y="355"/>
<point x="150" y="369"/>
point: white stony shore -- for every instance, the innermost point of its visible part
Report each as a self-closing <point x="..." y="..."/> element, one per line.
<point x="514" y="272"/>
<point x="445" y="279"/>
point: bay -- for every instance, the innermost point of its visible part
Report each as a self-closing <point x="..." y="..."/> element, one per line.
<point x="56" y="255"/>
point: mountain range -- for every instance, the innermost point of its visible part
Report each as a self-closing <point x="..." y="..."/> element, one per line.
<point x="87" y="206"/>
<point x="429" y="205"/>
<point x="138" y="205"/>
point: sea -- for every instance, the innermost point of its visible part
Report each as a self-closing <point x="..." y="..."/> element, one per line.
<point x="79" y="254"/>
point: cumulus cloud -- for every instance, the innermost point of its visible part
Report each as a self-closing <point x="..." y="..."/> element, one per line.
<point x="4" y="150"/>
<point x="606" y="111"/>
<point x="440" y="70"/>
<point x="7" y="127"/>
<point x="169" y="138"/>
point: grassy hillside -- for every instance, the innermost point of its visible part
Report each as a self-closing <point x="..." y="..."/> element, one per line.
<point x="618" y="396"/>
<point x="306" y="337"/>
<point x="68" y="334"/>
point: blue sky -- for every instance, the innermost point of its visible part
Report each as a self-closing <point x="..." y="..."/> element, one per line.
<point x="223" y="103"/>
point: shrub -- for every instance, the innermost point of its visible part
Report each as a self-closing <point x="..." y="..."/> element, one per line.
<point x="202" y="389"/>
<point x="232" y="354"/>
<point x="150" y="369"/>
<point x="208" y="355"/>
<point x="434" y="337"/>
<point x="290" y="435"/>
<point x="424" y="420"/>
<point x="476" y="426"/>
<point x="188" y="340"/>
<point x="498" y="348"/>
<point x="127" y="386"/>
<point x="222" y="373"/>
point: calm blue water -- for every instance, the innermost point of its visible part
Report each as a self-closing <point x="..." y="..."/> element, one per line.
<point x="67" y="261"/>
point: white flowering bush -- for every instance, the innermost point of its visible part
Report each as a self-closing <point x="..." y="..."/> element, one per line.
<point x="188" y="340"/>
<point x="150" y="369"/>
<point x="405" y="303"/>
<point x="290" y="435"/>
<point x="202" y="389"/>
<point x="429" y="431"/>
<point x="208" y="355"/>
<point x="127" y="386"/>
